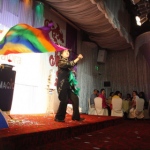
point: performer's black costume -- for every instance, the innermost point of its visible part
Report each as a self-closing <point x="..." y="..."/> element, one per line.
<point x="65" y="91"/>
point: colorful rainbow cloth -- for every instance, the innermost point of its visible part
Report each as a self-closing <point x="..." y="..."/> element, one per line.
<point x="23" y="38"/>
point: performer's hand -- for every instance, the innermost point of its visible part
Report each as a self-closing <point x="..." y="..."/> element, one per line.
<point x="80" y="56"/>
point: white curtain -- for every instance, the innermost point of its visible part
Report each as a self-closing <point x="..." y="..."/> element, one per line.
<point x="126" y="72"/>
<point x="13" y="12"/>
<point x="117" y="15"/>
<point x="87" y="76"/>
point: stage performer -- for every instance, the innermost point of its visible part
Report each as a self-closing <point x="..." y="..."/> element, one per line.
<point x="66" y="87"/>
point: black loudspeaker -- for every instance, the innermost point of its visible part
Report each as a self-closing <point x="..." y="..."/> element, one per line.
<point x="3" y="121"/>
<point x="7" y="80"/>
<point x="107" y="84"/>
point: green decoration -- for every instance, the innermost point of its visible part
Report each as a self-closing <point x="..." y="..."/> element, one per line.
<point x="73" y="82"/>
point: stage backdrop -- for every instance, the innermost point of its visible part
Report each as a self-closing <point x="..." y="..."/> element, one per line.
<point x="36" y="73"/>
<point x="35" y="76"/>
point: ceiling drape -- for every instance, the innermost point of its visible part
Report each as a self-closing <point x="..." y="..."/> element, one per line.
<point x="96" y="19"/>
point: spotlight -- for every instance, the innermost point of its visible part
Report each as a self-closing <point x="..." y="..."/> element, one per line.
<point x="143" y="9"/>
<point x="137" y="18"/>
<point x="140" y="20"/>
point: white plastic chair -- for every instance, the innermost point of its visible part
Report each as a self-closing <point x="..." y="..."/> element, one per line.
<point x="139" y="110"/>
<point x="117" y="107"/>
<point x="98" y="106"/>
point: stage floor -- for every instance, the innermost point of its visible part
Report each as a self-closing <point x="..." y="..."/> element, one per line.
<point x="31" y="130"/>
<point x="24" y="124"/>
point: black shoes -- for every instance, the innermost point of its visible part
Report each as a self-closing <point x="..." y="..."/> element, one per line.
<point x="58" y="120"/>
<point x="81" y="119"/>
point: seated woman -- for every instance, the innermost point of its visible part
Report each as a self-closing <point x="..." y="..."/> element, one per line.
<point x="110" y="99"/>
<point x="104" y="103"/>
<point x="133" y="105"/>
<point x="128" y="97"/>
<point x="142" y="95"/>
<point x="126" y="105"/>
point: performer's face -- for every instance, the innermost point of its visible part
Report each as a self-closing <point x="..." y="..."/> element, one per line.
<point x="65" y="54"/>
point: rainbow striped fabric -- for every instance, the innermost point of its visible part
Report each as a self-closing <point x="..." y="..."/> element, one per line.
<point x="23" y="38"/>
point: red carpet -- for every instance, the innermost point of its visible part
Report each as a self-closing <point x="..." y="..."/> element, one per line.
<point x="23" y="124"/>
<point x="130" y="135"/>
<point x="41" y="132"/>
<point x="30" y="131"/>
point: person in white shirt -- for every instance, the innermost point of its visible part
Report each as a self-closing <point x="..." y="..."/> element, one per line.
<point x="133" y="104"/>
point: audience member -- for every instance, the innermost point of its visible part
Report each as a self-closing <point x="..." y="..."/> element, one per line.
<point x="110" y="99"/>
<point x="104" y="103"/>
<point x="120" y="95"/>
<point x="138" y="112"/>
<point x="97" y="93"/>
<point x="126" y="105"/>
<point x="134" y="98"/>
<point x="128" y="97"/>
<point x="92" y="98"/>
<point x="142" y="95"/>
<point x="133" y="104"/>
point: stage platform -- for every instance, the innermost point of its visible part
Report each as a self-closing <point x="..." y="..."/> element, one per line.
<point x="28" y="131"/>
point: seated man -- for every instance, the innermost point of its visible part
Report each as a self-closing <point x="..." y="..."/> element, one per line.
<point x="92" y="98"/>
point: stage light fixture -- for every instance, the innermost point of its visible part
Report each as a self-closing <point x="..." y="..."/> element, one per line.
<point x="142" y="9"/>
<point x="140" y="20"/>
